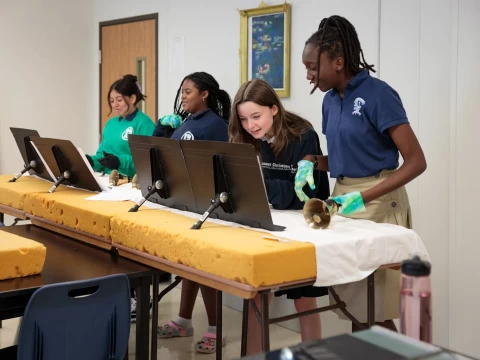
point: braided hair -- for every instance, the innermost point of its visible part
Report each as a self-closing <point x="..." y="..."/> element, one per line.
<point x="126" y="86"/>
<point x="218" y="100"/>
<point x="337" y="36"/>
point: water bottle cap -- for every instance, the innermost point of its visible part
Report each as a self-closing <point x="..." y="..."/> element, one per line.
<point x="416" y="267"/>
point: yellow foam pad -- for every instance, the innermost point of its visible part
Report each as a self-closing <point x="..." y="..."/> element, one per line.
<point x="19" y="256"/>
<point x="67" y="206"/>
<point x="233" y="253"/>
<point x="13" y="194"/>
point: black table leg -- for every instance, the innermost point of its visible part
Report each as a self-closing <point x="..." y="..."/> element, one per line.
<point x="2" y="218"/>
<point x="143" y="321"/>
<point x="371" y="300"/>
<point x="243" y="351"/>
<point x="265" y="323"/>
<point x="155" y="317"/>
<point x="219" y="326"/>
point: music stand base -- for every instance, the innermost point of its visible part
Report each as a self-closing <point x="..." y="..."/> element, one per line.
<point x="61" y="178"/>
<point x="222" y="198"/>
<point x="157" y="186"/>
<point x="19" y="175"/>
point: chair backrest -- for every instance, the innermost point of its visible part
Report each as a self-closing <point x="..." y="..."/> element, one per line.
<point x="77" y="320"/>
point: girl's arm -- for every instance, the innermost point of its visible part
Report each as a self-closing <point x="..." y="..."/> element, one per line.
<point x="414" y="163"/>
<point x="322" y="161"/>
<point x="99" y="154"/>
<point x="281" y="193"/>
<point x="127" y="167"/>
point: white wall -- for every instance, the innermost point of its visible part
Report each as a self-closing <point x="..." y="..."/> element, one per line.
<point x="48" y="77"/>
<point x="414" y="54"/>
<point x="433" y="62"/>
<point x="464" y="323"/>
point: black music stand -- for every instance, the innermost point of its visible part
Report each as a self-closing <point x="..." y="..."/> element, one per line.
<point x="161" y="159"/>
<point x="230" y="171"/>
<point x="66" y="163"/>
<point x="32" y="162"/>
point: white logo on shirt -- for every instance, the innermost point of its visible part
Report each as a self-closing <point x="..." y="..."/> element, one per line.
<point x="357" y="106"/>
<point x="187" y="136"/>
<point x="127" y="132"/>
<point x="275" y="166"/>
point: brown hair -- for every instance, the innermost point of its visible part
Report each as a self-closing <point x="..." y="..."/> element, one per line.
<point x="286" y="125"/>
<point x="126" y="86"/>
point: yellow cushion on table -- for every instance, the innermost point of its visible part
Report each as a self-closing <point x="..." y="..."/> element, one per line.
<point x="19" y="256"/>
<point x="232" y="253"/>
<point x="12" y="194"/>
<point x="67" y="206"/>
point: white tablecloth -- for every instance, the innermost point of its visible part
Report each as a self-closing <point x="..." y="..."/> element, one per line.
<point x="348" y="251"/>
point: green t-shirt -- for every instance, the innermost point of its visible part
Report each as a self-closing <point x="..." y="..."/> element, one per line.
<point x="115" y="140"/>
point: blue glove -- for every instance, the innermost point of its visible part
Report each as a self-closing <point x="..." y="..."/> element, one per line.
<point x="174" y="121"/>
<point x="350" y="203"/>
<point x="303" y="176"/>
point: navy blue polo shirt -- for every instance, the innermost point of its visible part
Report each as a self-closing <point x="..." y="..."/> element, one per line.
<point x="358" y="142"/>
<point x="204" y="125"/>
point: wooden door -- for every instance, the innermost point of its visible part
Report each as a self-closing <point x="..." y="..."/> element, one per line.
<point x="129" y="46"/>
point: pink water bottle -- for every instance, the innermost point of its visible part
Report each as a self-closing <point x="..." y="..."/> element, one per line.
<point x="416" y="300"/>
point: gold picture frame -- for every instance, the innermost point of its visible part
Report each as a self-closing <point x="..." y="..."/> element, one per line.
<point x="264" y="53"/>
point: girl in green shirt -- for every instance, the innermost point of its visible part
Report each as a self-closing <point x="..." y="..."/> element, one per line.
<point x="114" y="151"/>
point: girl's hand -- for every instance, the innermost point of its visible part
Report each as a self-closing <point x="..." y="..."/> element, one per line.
<point x="350" y="203"/>
<point x="110" y="161"/>
<point x="303" y="176"/>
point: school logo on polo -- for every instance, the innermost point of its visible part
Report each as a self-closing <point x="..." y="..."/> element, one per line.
<point x="275" y="166"/>
<point x="127" y="132"/>
<point x="187" y="136"/>
<point x="357" y="106"/>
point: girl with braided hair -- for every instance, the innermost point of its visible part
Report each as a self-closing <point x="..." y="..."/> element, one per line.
<point x="366" y="128"/>
<point x="201" y="112"/>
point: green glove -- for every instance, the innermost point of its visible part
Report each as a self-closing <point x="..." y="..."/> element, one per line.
<point x="303" y="176"/>
<point x="173" y="120"/>
<point x="349" y="203"/>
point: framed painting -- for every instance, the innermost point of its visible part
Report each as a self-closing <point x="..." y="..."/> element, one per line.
<point x="265" y="46"/>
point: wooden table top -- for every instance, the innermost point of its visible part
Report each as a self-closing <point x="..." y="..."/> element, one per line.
<point x="68" y="260"/>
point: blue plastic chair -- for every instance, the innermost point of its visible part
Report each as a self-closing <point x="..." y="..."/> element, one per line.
<point x="77" y="320"/>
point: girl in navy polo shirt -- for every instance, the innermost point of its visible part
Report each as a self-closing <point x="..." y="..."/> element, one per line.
<point x="201" y="112"/>
<point x="282" y="139"/>
<point x="366" y="128"/>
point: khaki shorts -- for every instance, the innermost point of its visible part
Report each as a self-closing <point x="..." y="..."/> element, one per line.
<point x="393" y="208"/>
